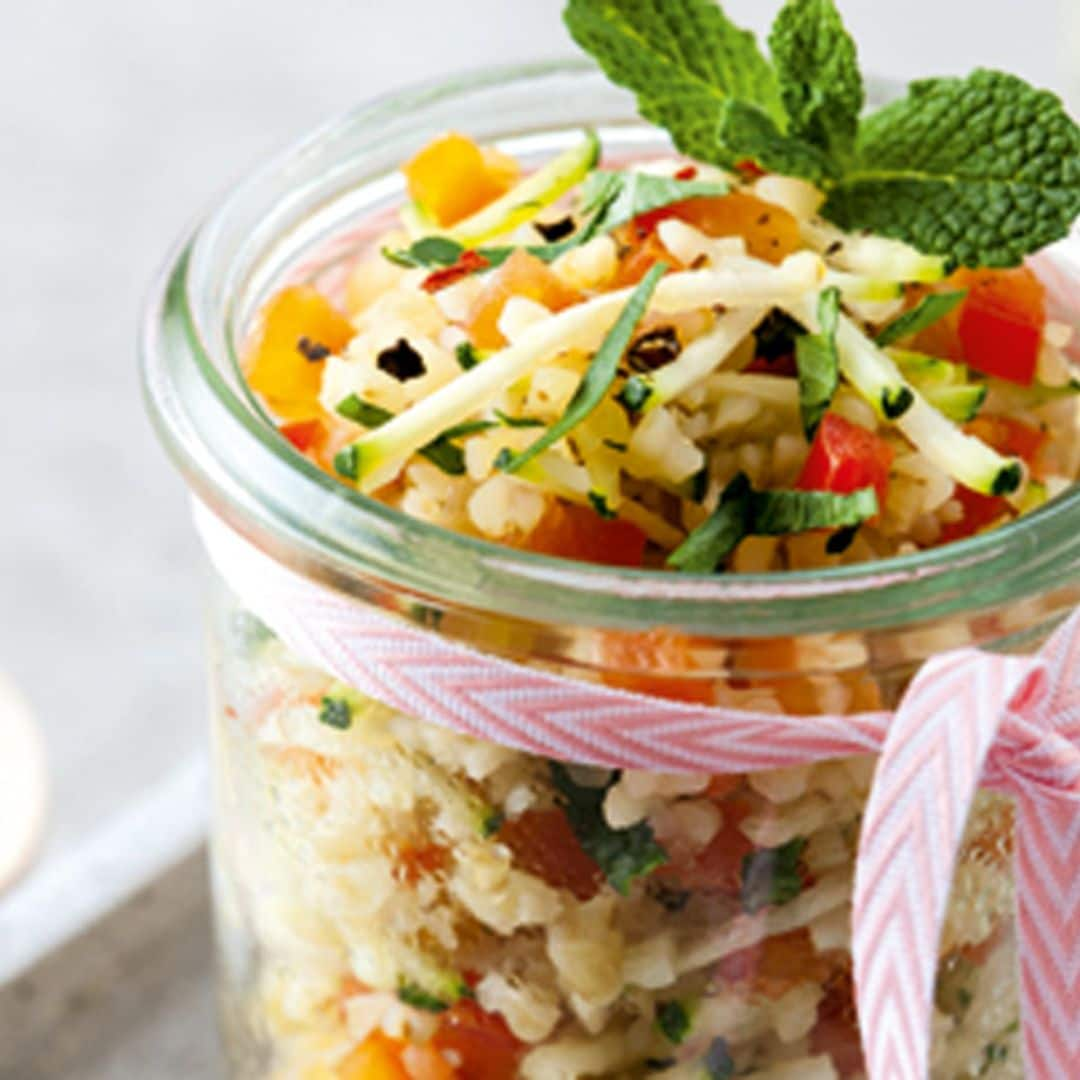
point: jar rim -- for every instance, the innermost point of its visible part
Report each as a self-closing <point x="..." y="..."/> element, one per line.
<point x="240" y="466"/>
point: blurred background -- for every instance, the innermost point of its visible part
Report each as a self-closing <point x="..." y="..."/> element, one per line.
<point x="121" y="121"/>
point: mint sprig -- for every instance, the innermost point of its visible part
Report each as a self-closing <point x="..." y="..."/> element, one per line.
<point x="983" y="169"/>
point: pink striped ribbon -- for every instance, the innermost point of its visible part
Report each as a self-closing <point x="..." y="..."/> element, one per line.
<point x="969" y="718"/>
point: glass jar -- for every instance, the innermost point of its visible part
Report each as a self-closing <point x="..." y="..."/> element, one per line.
<point x="398" y="900"/>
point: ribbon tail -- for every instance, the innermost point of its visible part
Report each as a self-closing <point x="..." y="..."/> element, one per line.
<point x="1048" y="931"/>
<point x="926" y="779"/>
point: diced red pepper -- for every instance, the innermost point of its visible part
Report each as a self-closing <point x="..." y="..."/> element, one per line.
<point x="846" y="458"/>
<point x="687" y="172"/>
<point x="749" y="169"/>
<point x="979" y="511"/>
<point x="469" y="262"/>
<point x="1002" y="321"/>
<point x="1007" y="436"/>
<point x="304" y="434"/>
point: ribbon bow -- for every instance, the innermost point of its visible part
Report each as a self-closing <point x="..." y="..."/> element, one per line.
<point x="968" y="719"/>
<point x="971" y="719"/>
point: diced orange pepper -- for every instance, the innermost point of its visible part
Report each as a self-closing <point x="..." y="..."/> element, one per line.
<point x="770" y="232"/>
<point x="282" y="357"/>
<point x="652" y="663"/>
<point x="1009" y="436"/>
<point x="640" y="258"/>
<point x="452" y="177"/>
<point x="521" y="275"/>
<point x="426" y="1063"/>
<point x="378" y="1057"/>
<point x="420" y="861"/>
<point x="777" y="965"/>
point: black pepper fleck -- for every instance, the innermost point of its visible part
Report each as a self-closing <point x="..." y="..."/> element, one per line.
<point x="401" y="361"/>
<point x="552" y="231"/>
<point x="314" y="351"/>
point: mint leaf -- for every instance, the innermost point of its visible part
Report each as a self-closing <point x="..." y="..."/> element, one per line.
<point x="672" y="1021"/>
<point x="336" y="712"/>
<point x="818" y="363"/>
<point x="928" y="311"/>
<point x="772" y="876"/>
<point x="419" y="998"/>
<point x="615" y="198"/>
<point x="818" y="70"/>
<point x="683" y="58"/>
<point x="599" y="375"/>
<point x="750" y="132"/>
<point x="985" y="169"/>
<point x="718" y="1063"/>
<point x="718" y="536"/>
<point x="777" y="513"/>
<point x="428" y="252"/>
<point x="743" y="512"/>
<point x="622" y="854"/>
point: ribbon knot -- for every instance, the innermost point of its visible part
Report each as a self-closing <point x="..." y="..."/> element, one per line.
<point x="972" y="719"/>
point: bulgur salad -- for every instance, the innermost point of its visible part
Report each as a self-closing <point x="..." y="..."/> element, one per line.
<point x="779" y="346"/>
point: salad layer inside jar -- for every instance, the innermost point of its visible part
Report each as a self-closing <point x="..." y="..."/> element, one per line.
<point x="699" y="363"/>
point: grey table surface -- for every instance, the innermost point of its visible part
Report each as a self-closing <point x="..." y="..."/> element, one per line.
<point x="120" y="120"/>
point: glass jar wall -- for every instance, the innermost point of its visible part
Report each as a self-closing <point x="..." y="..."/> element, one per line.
<point x="397" y="900"/>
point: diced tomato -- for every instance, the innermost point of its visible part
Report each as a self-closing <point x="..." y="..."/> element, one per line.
<point x="718" y="866"/>
<point x="378" y="1057"/>
<point x="304" y="434"/>
<point x="749" y="169"/>
<point x="1009" y="436"/>
<point x="837" y="1030"/>
<point x="543" y="844"/>
<point x="1002" y="321"/>
<point x="845" y="458"/>
<point x="578" y="532"/>
<point x="655" y="662"/>
<point x="282" y="358"/>
<point x="521" y="275"/>
<point x="687" y="172"/>
<point x="452" y="177"/>
<point x="469" y="262"/>
<point x="775" y="966"/>
<point x="480" y="1042"/>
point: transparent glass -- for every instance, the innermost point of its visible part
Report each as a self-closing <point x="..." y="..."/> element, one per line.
<point x="396" y="897"/>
